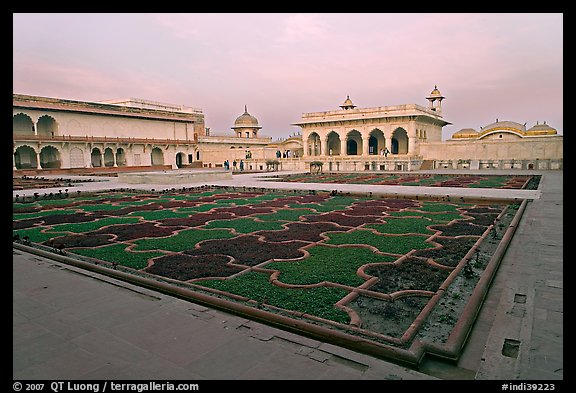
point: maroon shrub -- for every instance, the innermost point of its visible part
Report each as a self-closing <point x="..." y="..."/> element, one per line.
<point x="452" y="251"/>
<point x="187" y="267"/>
<point x="301" y="231"/>
<point x="249" y="250"/>
<point x="196" y="219"/>
<point x="136" y="231"/>
<point x="460" y="228"/>
<point x="341" y="219"/>
<point x="67" y="218"/>
<point x="81" y="240"/>
<point x="242" y="211"/>
<point x="411" y="274"/>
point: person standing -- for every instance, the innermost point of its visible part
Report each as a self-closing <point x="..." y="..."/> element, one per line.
<point x="234" y="163"/>
<point x="241" y="165"/>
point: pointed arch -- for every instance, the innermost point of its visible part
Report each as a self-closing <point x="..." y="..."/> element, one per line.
<point x="76" y="158"/>
<point x="314" y="144"/>
<point x="22" y="124"/>
<point x="353" y="143"/>
<point x="333" y="143"/>
<point x="25" y="158"/>
<point x="399" y="141"/>
<point x="47" y="126"/>
<point x="96" y="158"/>
<point x="376" y="142"/>
<point x="157" y="156"/>
<point x="50" y="157"/>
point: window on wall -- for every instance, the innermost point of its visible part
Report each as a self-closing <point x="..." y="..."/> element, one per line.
<point x="190" y="156"/>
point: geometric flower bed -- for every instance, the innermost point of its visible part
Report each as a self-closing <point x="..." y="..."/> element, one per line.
<point x="378" y="270"/>
<point x="426" y="180"/>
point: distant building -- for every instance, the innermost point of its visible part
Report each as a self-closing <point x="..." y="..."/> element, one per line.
<point x="51" y="133"/>
<point x="367" y="138"/>
<point x="134" y="134"/>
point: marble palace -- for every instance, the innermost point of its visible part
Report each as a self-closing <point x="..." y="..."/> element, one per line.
<point x="51" y="135"/>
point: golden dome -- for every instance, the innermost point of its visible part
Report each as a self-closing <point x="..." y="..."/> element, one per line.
<point x="466" y="133"/>
<point x="541" y="129"/>
<point x="348" y="104"/>
<point x="435" y="93"/>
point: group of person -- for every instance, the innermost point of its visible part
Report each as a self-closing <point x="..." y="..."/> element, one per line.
<point x="286" y="154"/>
<point x="234" y="165"/>
<point x="384" y="152"/>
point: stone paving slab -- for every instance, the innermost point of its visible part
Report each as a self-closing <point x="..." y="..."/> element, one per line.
<point x="166" y="342"/>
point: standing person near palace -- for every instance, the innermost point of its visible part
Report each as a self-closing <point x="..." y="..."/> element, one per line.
<point x="234" y="163"/>
<point x="241" y="165"/>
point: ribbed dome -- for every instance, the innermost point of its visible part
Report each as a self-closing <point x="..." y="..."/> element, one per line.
<point x="466" y="133"/>
<point x="246" y="120"/>
<point x="541" y="129"/>
<point x="505" y="124"/>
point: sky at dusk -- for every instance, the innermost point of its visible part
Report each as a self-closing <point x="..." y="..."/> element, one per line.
<point x="490" y="66"/>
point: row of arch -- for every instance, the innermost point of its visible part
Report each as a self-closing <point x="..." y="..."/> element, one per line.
<point x="354" y="144"/>
<point x="45" y="126"/>
<point x="49" y="157"/>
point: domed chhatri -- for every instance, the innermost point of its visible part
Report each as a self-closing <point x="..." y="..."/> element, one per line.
<point x="348" y="104"/>
<point x="246" y="120"/>
<point x="246" y="125"/>
<point x="434" y="96"/>
<point x="436" y="93"/>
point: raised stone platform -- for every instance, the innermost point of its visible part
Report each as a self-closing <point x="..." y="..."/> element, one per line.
<point x="174" y="176"/>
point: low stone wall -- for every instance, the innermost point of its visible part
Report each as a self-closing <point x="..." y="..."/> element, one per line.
<point x="549" y="164"/>
<point x="87" y="171"/>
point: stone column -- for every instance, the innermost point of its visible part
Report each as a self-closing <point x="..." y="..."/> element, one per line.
<point x="38" y="166"/>
<point x="365" y="144"/>
<point x="87" y="161"/>
<point x="343" y="147"/>
<point x="324" y="147"/>
<point x="102" y="159"/>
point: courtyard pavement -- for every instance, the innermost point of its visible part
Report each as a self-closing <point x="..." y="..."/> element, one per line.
<point x="71" y="324"/>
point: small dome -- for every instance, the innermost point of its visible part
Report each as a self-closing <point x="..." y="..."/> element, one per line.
<point x="246" y="120"/>
<point x="435" y="93"/>
<point x="540" y="129"/>
<point x="348" y="104"/>
<point x="466" y="133"/>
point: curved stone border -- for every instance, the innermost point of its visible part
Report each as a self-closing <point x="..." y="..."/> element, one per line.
<point x="409" y="357"/>
<point x="452" y="348"/>
<point x="284" y="322"/>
